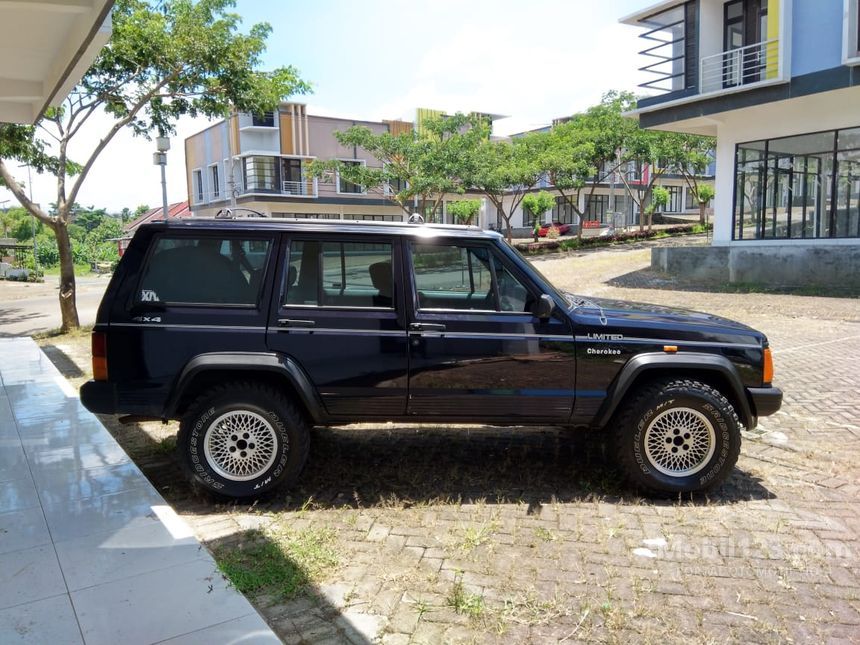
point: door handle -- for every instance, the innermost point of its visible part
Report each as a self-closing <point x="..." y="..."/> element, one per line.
<point x="293" y="323"/>
<point x="426" y="327"/>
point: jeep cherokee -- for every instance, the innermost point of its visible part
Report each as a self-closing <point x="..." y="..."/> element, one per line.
<point x="251" y="331"/>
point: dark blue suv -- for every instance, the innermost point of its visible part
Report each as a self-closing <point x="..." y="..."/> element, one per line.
<point x="251" y="331"/>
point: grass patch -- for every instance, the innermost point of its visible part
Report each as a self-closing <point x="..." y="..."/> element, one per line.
<point x="166" y="446"/>
<point x="280" y="562"/>
<point x="544" y="534"/>
<point x="80" y="270"/>
<point x="475" y="536"/>
<point x="463" y="602"/>
<point x="84" y="330"/>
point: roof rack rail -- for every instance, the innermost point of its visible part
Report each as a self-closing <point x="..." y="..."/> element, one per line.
<point x="234" y="213"/>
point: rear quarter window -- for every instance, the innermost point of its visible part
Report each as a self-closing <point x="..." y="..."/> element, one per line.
<point x="204" y="270"/>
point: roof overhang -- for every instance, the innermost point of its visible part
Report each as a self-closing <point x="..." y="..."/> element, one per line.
<point x="45" y="49"/>
<point x="638" y="18"/>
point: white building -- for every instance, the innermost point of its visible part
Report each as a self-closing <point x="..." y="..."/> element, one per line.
<point x="778" y="83"/>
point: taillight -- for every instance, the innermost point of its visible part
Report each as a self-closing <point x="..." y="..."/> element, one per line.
<point x="99" y="345"/>
<point x="767" y="372"/>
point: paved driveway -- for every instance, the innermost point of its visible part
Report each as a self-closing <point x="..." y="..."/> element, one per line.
<point x="28" y="308"/>
<point x="478" y="534"/>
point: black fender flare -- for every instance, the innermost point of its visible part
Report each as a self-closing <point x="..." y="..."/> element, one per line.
<point x="690" y="361"/>
<point x="245" y="363"/>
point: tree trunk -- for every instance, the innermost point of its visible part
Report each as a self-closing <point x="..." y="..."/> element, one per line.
<point x="702" y="213"/>
<point x="68" y="306"/>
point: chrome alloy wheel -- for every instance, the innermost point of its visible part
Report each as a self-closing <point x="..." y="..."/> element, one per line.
<point x="240" y="445"/>
<point x="680" y="442"/>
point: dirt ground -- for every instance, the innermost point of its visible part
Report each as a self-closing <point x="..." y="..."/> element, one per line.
<point x="482" y="534"/>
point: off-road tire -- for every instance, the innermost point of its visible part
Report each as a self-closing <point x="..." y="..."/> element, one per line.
<point x="650" y="417"/>
<point x="281" y="430"/>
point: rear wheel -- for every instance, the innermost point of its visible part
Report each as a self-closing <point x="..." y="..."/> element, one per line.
<point x="677" y="436"/>
<point x="242" y="440"/>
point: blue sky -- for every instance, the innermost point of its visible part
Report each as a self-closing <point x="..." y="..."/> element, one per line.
<point x="531" y="60"/>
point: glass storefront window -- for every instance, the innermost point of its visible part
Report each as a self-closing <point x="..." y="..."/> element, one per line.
<point x="805" y="186"/>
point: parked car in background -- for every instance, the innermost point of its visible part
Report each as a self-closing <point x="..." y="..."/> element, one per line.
<point x="563" y="229"/>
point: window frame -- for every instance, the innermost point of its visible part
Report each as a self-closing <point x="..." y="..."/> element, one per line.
<point x="524" y="280"/>
<point x="215" y="178"/>
<point x="851" y="33"/>
<point x="829" y="191"/>
<point x="135" y="303"/>
<point x="363" y="191"/>
<point x="197" y="187"/>
<point x="347" y="238"/>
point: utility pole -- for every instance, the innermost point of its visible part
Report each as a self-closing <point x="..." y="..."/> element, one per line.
<point x="159" y="158"/>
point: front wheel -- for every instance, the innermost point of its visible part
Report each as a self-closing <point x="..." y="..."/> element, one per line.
<point x="677" y="436"/>
<point x="242" y="440"/>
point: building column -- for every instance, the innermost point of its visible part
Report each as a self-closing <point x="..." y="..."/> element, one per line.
<point x="724" y="184"/>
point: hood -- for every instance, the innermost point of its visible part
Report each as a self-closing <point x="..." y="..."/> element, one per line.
<point x="658" y="321"/>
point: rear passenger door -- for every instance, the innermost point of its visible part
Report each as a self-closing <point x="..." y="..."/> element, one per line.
<point x="476" y="349"/>
<point x="336" y="314"/>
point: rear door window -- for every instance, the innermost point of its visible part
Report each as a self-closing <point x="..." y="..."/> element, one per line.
<point x="326" y="273"/>
<point x="223" y="270"/>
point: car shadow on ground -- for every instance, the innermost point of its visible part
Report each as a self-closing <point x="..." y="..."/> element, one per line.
<point x="354" y="466"/>
<point x="63" y="362"/>
<point x="396" y="466"/>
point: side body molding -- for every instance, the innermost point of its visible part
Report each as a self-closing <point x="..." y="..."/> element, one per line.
<point x="248" y="362"/>
<point x="659" y="361"/>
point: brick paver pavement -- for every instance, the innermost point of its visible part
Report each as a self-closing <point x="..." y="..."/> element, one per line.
<point x="479" y="534"/>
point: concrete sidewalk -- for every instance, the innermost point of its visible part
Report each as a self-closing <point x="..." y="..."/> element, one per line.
<point x="89" y="551"/>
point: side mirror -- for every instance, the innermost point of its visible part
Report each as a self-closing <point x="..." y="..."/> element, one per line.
<point x="544" y="307"/>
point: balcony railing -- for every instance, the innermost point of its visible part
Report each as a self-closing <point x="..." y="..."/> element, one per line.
<point x="306" y="188"/>
<point x="739" y="67"/>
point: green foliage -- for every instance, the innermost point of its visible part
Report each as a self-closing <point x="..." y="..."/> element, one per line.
<point x="423" y="168"/>
<point x="18" y="223"/>
<point x="279" y="562"/>
<point x="464" y="210"/>
<point x="705" y="193"/>
<point x="49" y="255"/>
<point x="539" y="203"/>
<point x="166" y="59"/>
<point x="659" y="198"/>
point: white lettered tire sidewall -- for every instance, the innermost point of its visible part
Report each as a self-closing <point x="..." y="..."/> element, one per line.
<point x="633" y="424"/>
<point x="290" y="431"/>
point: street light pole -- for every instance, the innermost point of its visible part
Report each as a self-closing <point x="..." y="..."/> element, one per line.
<point x="162" y="145"/>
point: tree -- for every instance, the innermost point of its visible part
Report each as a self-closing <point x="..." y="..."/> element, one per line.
<point x="657" y="153"/>
<point x="659" y="200"/>
<point x="691" y="160"/>
<point x="505" y="172"/>
<point x="538" y="204"/>
<point x="582" y="152"/>
<point x="703" y="193"/>
<point x="464" y="210"/>
<point x="166" y="59"/>
<point x="417" y="171"/>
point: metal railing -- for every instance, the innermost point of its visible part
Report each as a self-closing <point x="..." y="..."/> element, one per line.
<point x="304" y="188"/>
<point x="667" y="57"/>
<point x="738" y="67"/>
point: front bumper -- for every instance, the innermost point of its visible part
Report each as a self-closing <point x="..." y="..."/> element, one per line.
<point x="765" y="400"/>
<point x="99" y="397"/>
